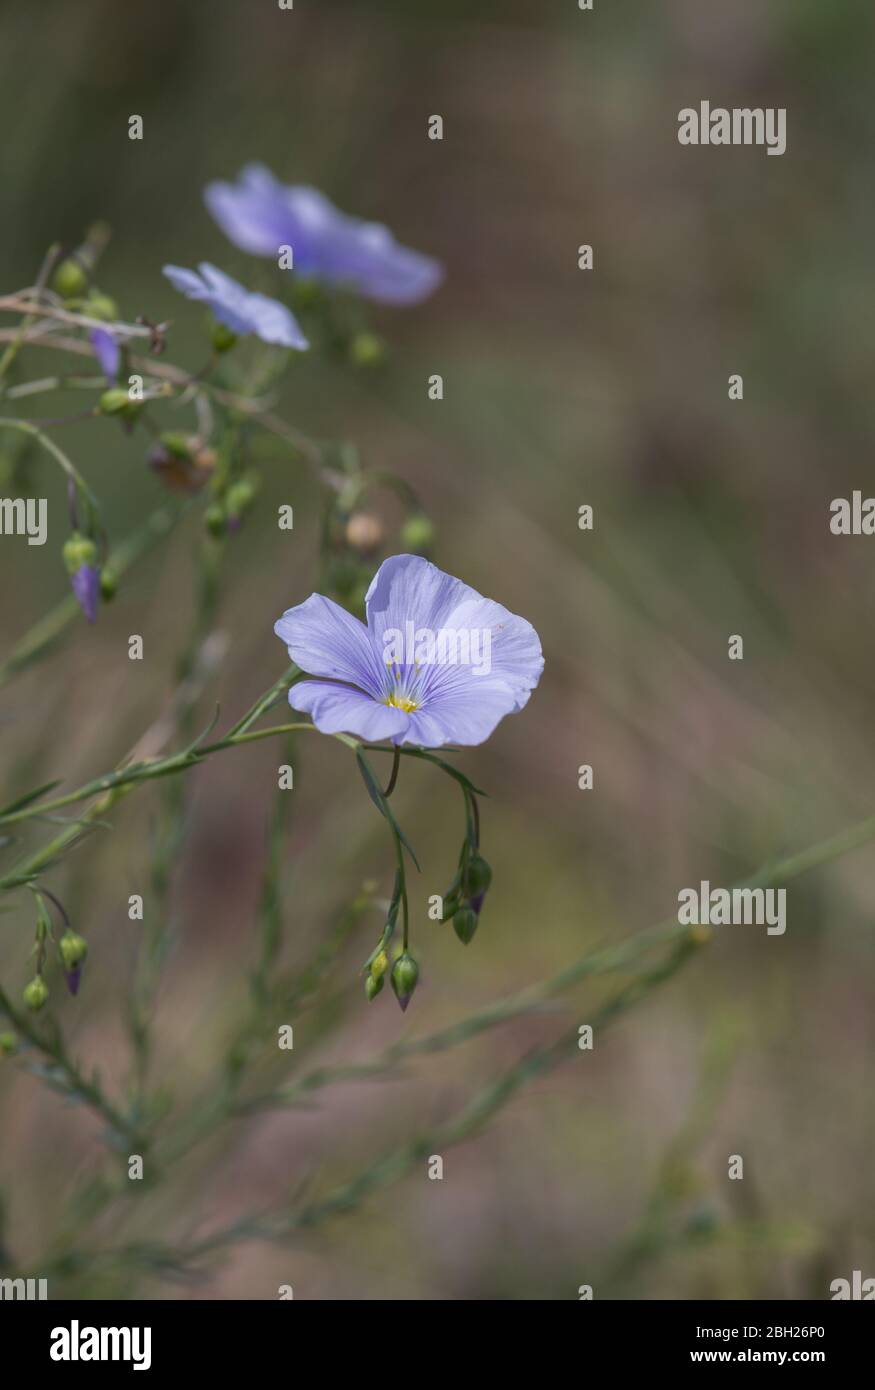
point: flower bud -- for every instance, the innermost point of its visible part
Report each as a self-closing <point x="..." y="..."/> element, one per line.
<point x="70" y="280"/>
<point x="78" y="551"/>
<point x="364" y="532"/>
<point x="239" y="498"/>
<point x="478" y="876"/>
<point x="417" y="533"/>
<point x="8" y="1044"/>
<point x="215" y="520"/>
<point x="36" y="993"/>
<point x="116" y="401"/>
<point x="373" y="985"/>
<point x="222" y="338"/>
<point x="379" y="965"/>
<point x="73" y="949"/>
<point x="100" y="306"/>
<point x="367" y="350"/>
<point x="108" y="585"/>
<point x="465" y="924"/>
<point x="405" y="973"/>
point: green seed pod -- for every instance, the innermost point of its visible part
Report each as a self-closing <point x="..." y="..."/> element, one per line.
<point x="78" y="551"/>
<point x="116" y="401"/>
<point x="222" y="338"/>
<point x="417" y="533"/>
<point x="73" y="949"/>
<point x="8" y="1044"/>
<point x="177" y="444"/>
<point x="215" y="520"/>
<point x="100" y="306"/>
<point x="465" y="924"/>
<point x="36" y="993"/>
<point x="108" y="585"/>
<point x="478" y="875"/>
<point x="240" y="496"/>
<point x="367" y="350"/>
<point x="70" y="280"/>
<point x="405" y="973"/>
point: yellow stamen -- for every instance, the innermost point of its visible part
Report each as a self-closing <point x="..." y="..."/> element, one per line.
<point x="401" y="702"/>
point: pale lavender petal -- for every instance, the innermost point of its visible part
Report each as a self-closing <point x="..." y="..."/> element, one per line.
<point x="260" y="215"/>
<point x="463" y="718"/>
<point x="325" y="640"/>
<point x="503" y="648"/>
<point x="339" y="709"/>
<point x="239" y="309"/>
<point x="107" y="352"/>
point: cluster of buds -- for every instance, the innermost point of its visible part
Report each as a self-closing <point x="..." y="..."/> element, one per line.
<point x="72" y="950"/>
<point x="464" y="899"/>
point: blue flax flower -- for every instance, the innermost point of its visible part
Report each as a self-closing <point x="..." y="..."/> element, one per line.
<point x="259" y="215"/>
<point x="237" y="308"/>
<point x="437" y="662"/>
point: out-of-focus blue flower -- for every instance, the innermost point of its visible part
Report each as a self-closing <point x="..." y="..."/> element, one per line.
<point x="107" y="352"/>
<point x="378" y="682"/>
<point x="237" y="308"/>
<point x="259" y="215"/>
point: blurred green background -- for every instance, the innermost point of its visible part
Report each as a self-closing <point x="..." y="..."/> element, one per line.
<point x="711" y="518"/>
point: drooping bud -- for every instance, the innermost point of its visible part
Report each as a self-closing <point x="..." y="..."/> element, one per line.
<point x="8" y="1044"/>
<point x="405" y="973"/>
<point x="100" y="306"/>
<point x="222" y="338"/>
<point x="80" y="557"/>
<point x="465" y="924"/>
<point x="108" y="585"/>
<point x="373" y="985"/>
<point x="239" y="499"/>
<point x="73" y="949"/>
<point x="116" y="401"/>
<point x="36" y="993"/>
<point x="417" y="534"/>
<point x="215" y="520"/>
<point x="70" y="280"/>
<point x="478" y="876"/>
<point x="379" y="965"/>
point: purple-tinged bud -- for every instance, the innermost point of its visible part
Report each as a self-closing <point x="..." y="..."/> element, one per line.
<point x="80" y="557"/>
<point x="478" y="876"/>
<point x="86" y="587"/>
<point x="465" y="924"/>
<point x="73" y="949"/>
<point x="73" y="978"/>
<point x="405" y="973"/>
<point x="36" y="993"/>
<point x="107" y="352"/>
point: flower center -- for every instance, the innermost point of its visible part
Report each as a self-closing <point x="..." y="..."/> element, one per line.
<point x="397" y="701"/>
